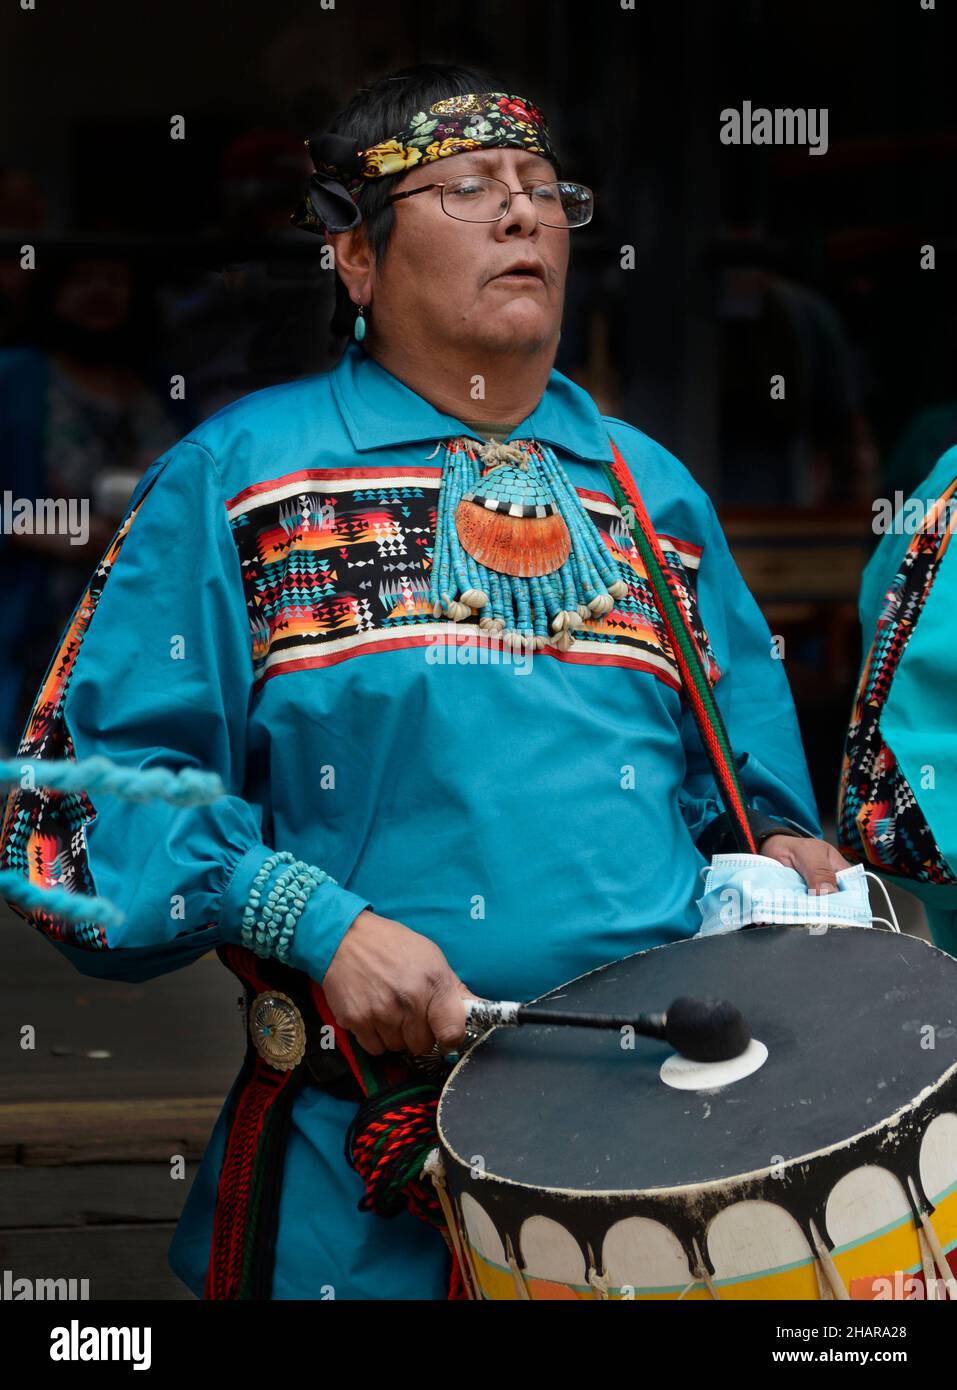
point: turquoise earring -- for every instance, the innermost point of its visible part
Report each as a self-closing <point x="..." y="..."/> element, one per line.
<point x="359" y="327"/>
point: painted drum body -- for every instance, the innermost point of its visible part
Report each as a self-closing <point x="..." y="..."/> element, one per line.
<point x="574" y="1171"/>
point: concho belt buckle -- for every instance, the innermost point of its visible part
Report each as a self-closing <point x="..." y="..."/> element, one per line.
<point x="277" y="1029"/>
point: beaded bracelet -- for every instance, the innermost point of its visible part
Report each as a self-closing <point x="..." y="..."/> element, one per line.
<point x="269" y="919"/>
<point x="299" y="895"/>
<point x="252" y="902"/>
<point x="280" y="904"/>
<point x="283" y="908"/>
<point x="270" y="932"/>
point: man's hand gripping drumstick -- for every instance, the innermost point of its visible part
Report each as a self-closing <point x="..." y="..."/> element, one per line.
<point x="394" y="990"/>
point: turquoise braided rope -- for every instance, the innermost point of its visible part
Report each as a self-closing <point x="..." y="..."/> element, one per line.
<point x="102" y="777"/>
<point x="72" y="907"/>
<point x="99" y="775"/>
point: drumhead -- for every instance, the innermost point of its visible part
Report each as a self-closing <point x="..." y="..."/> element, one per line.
<point x="857" y="1021"/>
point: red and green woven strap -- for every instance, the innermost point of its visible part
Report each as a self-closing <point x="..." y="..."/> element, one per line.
<point x="242" y="1248"/>
<point x="664" y="584"/>
<point x="392" y="1133"/>
<point x="387" y="1144"/>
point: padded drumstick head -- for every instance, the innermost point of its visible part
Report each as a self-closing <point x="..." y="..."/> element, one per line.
<point x="706" y="1030"/>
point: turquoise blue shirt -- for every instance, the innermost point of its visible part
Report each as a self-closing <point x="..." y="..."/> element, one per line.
<point x="918" y="721"/>
<point x="265" y="615"/>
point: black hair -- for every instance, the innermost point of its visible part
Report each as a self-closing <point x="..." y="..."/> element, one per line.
<point x="377" y="113"/>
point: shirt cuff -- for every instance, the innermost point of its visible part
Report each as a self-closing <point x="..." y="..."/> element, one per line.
<point x="718" y="837"/>
<point x="329" y="913"/>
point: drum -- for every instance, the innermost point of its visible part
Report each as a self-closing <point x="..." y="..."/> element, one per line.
<point x="580" y="1163"/>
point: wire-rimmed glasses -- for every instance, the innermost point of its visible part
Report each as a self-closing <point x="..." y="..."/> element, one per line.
<point x="480" y="198"/>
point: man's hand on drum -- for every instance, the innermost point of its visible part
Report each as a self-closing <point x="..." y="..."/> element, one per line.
<point x="394" y="989"/>
<point x="815" y="860"/>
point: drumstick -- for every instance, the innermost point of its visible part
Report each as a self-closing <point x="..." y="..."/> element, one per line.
<point x="703" y="1030"/>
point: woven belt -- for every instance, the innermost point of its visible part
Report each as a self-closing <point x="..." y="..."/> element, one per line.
<point x="287" y="1048"/>
<point x="292" y="1041"/>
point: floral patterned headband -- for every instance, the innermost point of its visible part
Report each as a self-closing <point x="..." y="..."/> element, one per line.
<point x="475" y="121"/>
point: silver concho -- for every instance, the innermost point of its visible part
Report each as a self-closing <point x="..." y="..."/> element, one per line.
<point x="436" y="1064"/>
<point x="277" y="1029"/>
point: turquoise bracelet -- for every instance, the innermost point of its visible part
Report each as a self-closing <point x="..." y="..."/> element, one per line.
<point x="280" y="903"/>
<point x="283" y="908"/>
<point x="299" y="893"/>
<point x="252" y="902"/>
<point x="272" y="932"/>
<point x="268" y="927"/>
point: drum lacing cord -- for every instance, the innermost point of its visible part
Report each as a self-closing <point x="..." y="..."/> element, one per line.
<point x="927" y="1237"/>
<point x="931" y="1253"/>
<point x="832" y="1279"/>
<point x="927" y="1267"/>
<point x="830" y="1283"/>
<point x="518" y="1278"/>
<point x="435" y="1169"/>
<point x="597" y="1279"/>
<point x="702" y="1275"/>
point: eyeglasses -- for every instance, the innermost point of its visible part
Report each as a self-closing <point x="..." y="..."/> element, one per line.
<point x="477" y="198"/>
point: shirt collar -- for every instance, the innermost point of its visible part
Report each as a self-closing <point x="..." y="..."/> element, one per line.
<point x="379" y="410"/>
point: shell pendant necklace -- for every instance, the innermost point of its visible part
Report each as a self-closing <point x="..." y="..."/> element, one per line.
<point x="514" y="543"/>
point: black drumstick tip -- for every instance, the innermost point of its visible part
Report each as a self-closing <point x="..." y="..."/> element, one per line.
<point x="706" y="1030"/>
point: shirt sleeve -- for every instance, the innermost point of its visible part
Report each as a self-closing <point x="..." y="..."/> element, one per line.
<point x="154" y="669"/>
<point x="755" y="701"/>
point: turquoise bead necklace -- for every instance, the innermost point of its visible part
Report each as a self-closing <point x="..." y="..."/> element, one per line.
<point x="514" y="543"/>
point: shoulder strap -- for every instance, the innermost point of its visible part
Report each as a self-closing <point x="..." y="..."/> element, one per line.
<point x="698" y="689"/>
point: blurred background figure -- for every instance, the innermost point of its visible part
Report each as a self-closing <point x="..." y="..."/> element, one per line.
<point x="23" y="213"/>
<point x="262" y="316"/>
<point x="928" y="435"/>
<point x="812" y="425"/>
<point x="82" y="415"/>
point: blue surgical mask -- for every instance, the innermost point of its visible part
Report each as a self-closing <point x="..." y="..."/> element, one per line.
<point x="752" y="889"/>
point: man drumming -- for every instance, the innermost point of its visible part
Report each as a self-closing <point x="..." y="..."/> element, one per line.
<point x="397" y="609"/>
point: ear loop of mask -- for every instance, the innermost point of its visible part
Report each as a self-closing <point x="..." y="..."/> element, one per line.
<point x="706" y="869"/>
<point x="895" y="925"/>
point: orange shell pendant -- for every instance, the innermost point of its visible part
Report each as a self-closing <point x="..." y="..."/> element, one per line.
<point x="516" y="545"/>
